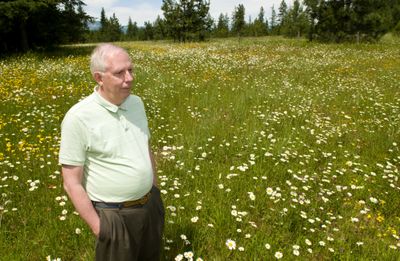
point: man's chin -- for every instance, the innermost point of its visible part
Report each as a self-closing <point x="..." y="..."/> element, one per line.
<point x="128" y="89"/>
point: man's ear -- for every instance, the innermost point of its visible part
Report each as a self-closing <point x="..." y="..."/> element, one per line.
<point x="98" y="77"/>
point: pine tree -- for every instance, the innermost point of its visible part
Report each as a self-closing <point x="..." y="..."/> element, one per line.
<point x="273" y="24"/>
<point x="84" y="21"/>
<point x="283" y="9"/>
<point x="74" y="21"/>
<point x="110" y="28"/>
<point x="187" y="19"/>
<point x="312" y="9"/>
<point x="238" y="22"/>
<point x="259" y="26"/>
<point x="296" y="21"/>
<point x="132" y="30"/>
<point x="396" y="17"/>
<point x="206" y="30"/>
<point x="148" y="31"/>
<point x="172" y="15"/>
<point x="351" y="20"/>
<point x="159" y="29"/>
<point x="26" y="24"/>
<point x="103" y="21"/>
<point x="114" y="32"/>
<point x="372" y="19"/>
<point x="222" y="28"/>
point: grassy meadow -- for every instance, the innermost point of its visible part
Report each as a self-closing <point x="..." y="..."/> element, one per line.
<point x="266" y="149"/>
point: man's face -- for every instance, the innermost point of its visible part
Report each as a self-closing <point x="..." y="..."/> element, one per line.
<point x="115" y="83"/>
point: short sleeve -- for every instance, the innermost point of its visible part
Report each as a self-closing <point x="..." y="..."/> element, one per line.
<point x="135" y="110"/>
<point x="146" y="128"/>
<point x="74" y="141"/>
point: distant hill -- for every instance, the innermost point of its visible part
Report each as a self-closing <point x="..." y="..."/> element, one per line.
<point x="94" y="26"/>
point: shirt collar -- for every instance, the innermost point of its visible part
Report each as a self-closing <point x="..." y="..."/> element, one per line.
<point x="108" y="105"/>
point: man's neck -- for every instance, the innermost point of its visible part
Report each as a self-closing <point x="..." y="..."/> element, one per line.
<point x="112" y="100"/>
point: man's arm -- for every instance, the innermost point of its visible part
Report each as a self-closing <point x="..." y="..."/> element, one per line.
<point x="72" y="176"/>
<point x="153" y="164"/>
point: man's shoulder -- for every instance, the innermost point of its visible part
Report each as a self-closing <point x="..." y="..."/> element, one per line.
<point x="83" y="106"/>
<point x="134" y="99"/>
<point x="82" y="110"/>
<point x="134" y="102"/>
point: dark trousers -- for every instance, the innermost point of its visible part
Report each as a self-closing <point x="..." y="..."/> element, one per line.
<point x="132" y="233"/>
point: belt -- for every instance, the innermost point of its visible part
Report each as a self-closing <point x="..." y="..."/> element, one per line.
<point x="126" y="204"/>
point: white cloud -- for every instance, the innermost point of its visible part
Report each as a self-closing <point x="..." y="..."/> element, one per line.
<point x="93" y="7"/>
<point x="140" y="14"/>
<point x="139" y="11"/>
<point x="228" y="6"/>
<point x="101" y="3"/>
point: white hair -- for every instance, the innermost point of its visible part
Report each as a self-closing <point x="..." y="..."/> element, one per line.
<point x="100" y="54"/>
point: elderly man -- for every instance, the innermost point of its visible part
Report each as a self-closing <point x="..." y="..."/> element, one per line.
<point x="107" y="165"/>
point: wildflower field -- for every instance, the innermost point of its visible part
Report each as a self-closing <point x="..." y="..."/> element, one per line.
<point x="266" y="149"/>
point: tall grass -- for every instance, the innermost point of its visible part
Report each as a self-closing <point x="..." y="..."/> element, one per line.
<point x="284" y="147"/>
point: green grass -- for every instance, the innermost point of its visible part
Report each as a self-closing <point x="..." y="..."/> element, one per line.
<point x="316" y="124"/>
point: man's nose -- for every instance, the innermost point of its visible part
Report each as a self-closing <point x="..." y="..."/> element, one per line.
<point x="129" y="76"/>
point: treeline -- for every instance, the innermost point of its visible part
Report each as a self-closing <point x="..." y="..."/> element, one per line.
<point x="26" y="24"/>
<point x="190" y="20"/>
<point x="323" y="20"/>
<point x="352" y="20"/>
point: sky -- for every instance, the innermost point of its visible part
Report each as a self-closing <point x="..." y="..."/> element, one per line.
<point x="141" y="11"/>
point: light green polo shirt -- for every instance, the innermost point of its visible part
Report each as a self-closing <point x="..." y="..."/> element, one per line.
<point x="111" y="142"/>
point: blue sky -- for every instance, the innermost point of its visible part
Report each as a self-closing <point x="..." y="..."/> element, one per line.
<point x="142" y="10"/>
